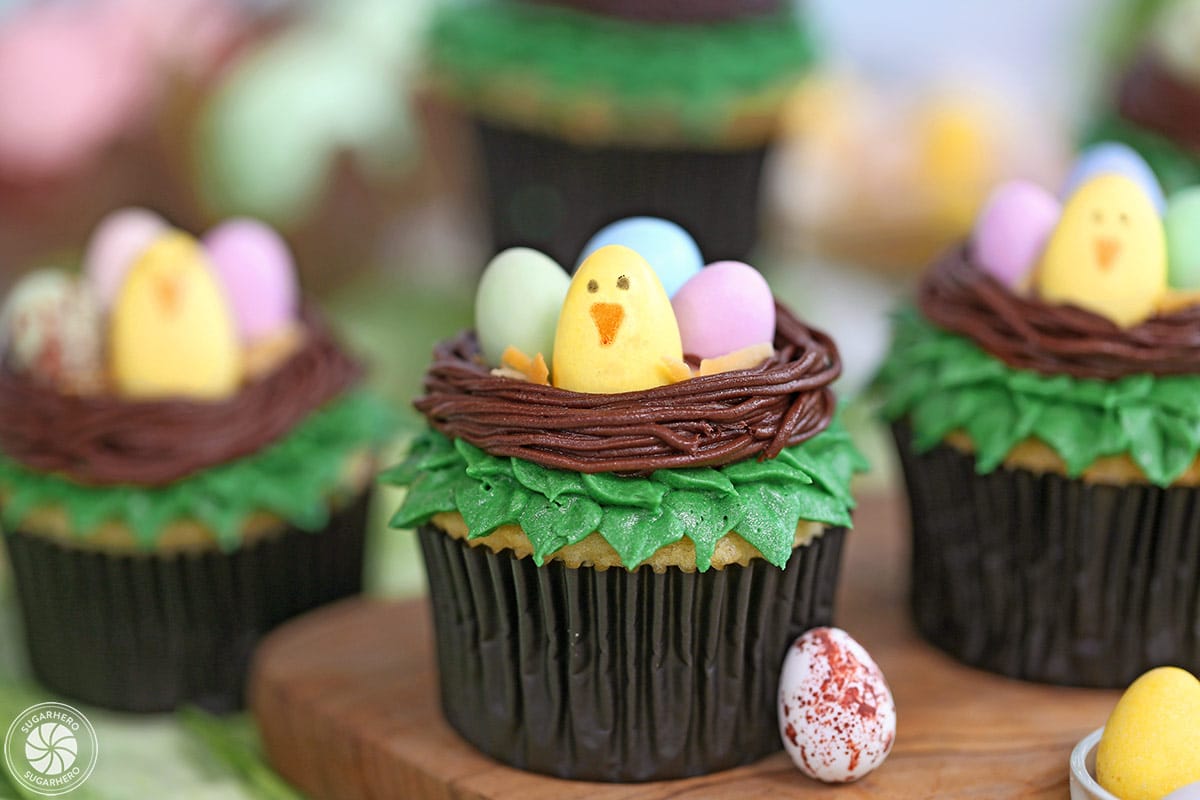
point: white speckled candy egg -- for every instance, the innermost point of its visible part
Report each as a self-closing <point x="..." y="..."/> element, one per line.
<point x="836" y="712"/>
<point x="50" y="327"/>
<point x="518" y="302"/>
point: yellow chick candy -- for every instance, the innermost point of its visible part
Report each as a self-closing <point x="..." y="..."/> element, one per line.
<point x="617" y="331"/>
<point x="1151" y="744"/>
<point x="1108" y="253"/>
<point x="172" y="333"/>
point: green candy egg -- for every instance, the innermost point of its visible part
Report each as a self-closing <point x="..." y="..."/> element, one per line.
<point x="518" y="302"/>
<point x="1182" y="224"/>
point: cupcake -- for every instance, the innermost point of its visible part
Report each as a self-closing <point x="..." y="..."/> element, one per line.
<point x="1156" y="102"/>
<point x="593" y="110"/>
<point x="185" y="460"/>
<point x="1043" y="398"/>
<point x="623" y="540"/>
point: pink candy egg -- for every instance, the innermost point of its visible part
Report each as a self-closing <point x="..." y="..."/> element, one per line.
<point x="1013" y="230"/>
<point x="724" y="307"/>
<point x="256" y="269"/>
<point x="837" y="717"/>
<point x="115" y="244"/>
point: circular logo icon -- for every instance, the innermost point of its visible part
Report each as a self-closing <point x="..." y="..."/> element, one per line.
<point x="50" y="749"/>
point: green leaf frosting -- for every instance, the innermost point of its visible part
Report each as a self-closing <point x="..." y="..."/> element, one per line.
<point x="942" y="382"/>
<point x="292" y="478"/>
<point x="762" y="501"/>
<point x="698" y="74"/>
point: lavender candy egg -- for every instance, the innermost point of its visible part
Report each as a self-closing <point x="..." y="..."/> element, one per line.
<point x="724" y="307"/>
<point x="115" y="244"/>
<point x="669" y="250"/>
<point x="256" y="269"/>
<point x="837" y="717"/>
<point x="1188" y="792"/>
<point x="1013" y="229"/>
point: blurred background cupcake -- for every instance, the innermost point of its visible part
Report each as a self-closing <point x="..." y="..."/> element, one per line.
<point x="589" y="112"/>
<point x="186" y="458"/>
<point x="1043" y="400"/>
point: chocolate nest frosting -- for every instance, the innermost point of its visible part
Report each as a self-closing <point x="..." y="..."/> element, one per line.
<point x="1154" y="98"/>
<point x="704" y="421"/>
<point x="1027" y="333"/>
<point x="107" y="440"/>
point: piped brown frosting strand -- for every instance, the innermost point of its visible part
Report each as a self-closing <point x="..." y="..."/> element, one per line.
<point x="1153" y="97"/>
<point x="107" y="440"/>
<point x="1028" y="333"/>
<point x="704" y="421"/>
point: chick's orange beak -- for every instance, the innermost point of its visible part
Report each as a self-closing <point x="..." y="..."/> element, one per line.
<point x="1107" y="250"/>
<point x="607" y="317"/>
<point x="168" y="290"/>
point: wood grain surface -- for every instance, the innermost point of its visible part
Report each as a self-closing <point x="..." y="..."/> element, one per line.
<point x="346" y="699"/>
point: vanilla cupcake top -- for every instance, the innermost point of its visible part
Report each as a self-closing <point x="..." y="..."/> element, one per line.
<point x="1070" y="322"/>
<point x="176" y="372"/>
<point x="609" y="403"/>
<point x="604" y="79"/>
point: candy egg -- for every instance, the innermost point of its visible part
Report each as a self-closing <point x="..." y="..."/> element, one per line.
<point x="172" y="333"/>
<point x="1189" y="792"/>
<point x="258" y="274"/>
<point x="517" y="304"/>
<point x="837" y="717"/>
<point x="617" y="332"/>
<point x="1151" y="743"/>
<point x="725" y="307"/>
<point x="1115" y="158"/>
<point x="50" y="327"/>
<point x="1108" y="253"/>
<point x="1182" y="226"/>
<point x="668" y="248"/>
<point x="1013" y="229"/>
<point x="115" y="244"/>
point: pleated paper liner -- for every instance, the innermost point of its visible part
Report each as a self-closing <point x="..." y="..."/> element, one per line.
<point x="553" y="195"/>
<point x="1049" y="578"/>
<point x="152" y="632"/>
<point x="608" y="675"/>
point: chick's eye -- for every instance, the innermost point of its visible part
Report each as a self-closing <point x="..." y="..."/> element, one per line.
<point x="1098" y="216"/>
<point x="623" y="282"/>
<point x="593" y="287"/>
<point x="1124" y="218"/>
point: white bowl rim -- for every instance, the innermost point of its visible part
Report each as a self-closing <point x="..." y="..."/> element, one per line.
<point x="1079" y="769"/>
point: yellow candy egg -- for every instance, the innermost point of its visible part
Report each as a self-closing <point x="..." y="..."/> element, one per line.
<point x="617" y="331"/>
<point x="1151" y="744"/>
<point x="172" y="333"/>
<point x="1108" y="253"/>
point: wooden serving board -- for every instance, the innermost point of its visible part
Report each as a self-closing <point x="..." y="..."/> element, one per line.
<point x="347" y="702"/>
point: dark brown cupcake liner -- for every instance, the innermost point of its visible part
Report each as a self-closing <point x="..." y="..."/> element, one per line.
<point x="152" y="632"/>
<point x="553" y="195"/>
<point x="611" y="675"/>
<point x="1049" y="578"/>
